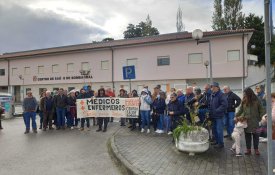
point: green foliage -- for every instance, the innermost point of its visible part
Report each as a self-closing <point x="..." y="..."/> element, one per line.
<point x="229" y="16"/>
<point x="140" y="30"/>
<point x="108" y="39"/>
<point x="256" y="22"/>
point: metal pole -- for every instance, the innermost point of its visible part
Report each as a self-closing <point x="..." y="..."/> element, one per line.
<point x="23" y="89"/>
<point x="268" y="85"/>
<point x="207" y="78"/>
<point x="130" y="85"/>
<point x="210" y="62"/>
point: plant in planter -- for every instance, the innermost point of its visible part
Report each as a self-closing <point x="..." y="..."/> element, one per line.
<point x="192" y="138"/>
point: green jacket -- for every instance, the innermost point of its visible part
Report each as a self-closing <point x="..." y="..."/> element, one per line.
<point x="253" y="113"/>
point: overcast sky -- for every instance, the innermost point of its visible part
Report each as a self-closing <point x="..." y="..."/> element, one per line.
<point x="35" y="24"/>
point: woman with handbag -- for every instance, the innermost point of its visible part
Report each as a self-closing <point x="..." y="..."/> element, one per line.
<point x="252" y="110"/>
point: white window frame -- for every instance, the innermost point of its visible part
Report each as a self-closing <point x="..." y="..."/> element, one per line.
<point x="70" y="69"/>
<point x="83" y="67"/>
<point x="27" y="70"/>
<point x="105" y="65"/>
<point x="128" y="62"/>
<point x="190" y="58"/>
<point x="14" y="71"/>
<point x="163" y="57"/>
<point x="40" y="69"/>
<point x="55" y="70"/>
<point x="229" y="56"/>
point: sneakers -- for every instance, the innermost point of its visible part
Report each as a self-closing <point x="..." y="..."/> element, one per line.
<point x="239" y="155"/>
<point x="142" y="130"/>
<point x="161" y="132"/>
<point x="148" y="131"/>
<point x="170" y="133"/>
<point x="72" y="128"/>
<point x="27" y="131"/>
<point x="35" y="131"/>
<point x="157" y="131"/>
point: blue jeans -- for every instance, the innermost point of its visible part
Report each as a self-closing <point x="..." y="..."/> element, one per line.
<point x="167" y="122"/>
<point x="218" y="130"/>
<point x="60" y="113"/>
<point x="160" y="122"/>
<point x="27" y="116"/>
<point x="145" y="119"/>
<point x="229" y="122"/>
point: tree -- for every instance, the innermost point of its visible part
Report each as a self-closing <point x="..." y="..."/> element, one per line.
<point x="228" y="17"/>
<point x="180" y="26"/>
<point x="233" y="16"/>
<point x="108" y="39"/>
<point x="256" y="22"/>
<point x="217" y="18"/>
<point x="142" y="29"/>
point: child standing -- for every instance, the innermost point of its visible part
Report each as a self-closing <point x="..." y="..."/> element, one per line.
<point x="236" y="135"/>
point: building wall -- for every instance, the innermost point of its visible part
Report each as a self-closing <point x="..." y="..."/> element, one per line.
<point x="179" y="68"/>
<point x="4" y="79"/>
<point x="94" y="58"/>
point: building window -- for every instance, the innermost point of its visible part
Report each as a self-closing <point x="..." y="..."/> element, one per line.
<point x="105" y="65"/>
<point x="70" y="67"/>
<point x="40" y="69"/>
<point x="55" y="68"/>
<point x="164" y="61"/>
<point x="27" y="70"/>
<point x="233" y="55"/>
<point x="132" y="62"/>
<point x="195" y="58"/>
<point x="14" y="71"/>
<point x="85" y="66"/>
<point x="2" y="72"/>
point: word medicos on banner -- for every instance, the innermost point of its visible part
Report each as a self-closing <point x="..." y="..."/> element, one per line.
<point x="108" y="107"/>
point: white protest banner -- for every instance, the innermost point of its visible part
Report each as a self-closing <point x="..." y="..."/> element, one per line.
<point x="108" y="107"/>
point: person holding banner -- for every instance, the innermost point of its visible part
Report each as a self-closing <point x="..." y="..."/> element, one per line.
<point x="122" y="94"/>
<point x="82" y="95"/>
<point x="101" y="120"/>
<point x="145" y="109"/>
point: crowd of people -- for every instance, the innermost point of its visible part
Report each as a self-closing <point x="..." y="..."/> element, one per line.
<point x="163" y="111"/>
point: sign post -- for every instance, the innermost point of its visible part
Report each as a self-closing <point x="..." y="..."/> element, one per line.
<point x="129" y="74"/>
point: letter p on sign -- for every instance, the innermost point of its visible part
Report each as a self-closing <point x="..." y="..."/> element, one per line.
<point x="129" y="72"/>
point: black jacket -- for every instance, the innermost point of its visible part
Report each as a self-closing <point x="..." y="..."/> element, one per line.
<point x="233" y="101"/>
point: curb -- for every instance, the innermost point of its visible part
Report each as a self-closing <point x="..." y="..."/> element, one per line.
<point x="120" y="161"/>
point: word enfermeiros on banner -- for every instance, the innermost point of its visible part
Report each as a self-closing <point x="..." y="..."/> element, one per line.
<point x="108" y="107"/>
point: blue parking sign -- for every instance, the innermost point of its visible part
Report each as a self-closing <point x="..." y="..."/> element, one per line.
<point x="129" y="72"/>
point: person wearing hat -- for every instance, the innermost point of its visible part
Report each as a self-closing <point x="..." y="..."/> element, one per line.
<point x="145" y="108"/>
<point x="217" y="109"/>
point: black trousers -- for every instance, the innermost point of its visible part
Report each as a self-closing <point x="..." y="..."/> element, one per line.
<point x="248" y="139"/>
<point x="102" y="120"/>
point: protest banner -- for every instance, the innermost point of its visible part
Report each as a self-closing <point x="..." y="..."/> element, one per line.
<point x="108" y="107"/>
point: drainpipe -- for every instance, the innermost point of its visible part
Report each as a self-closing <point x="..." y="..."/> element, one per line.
<point x="113" y="69"/>
<point x="243" y="78"/>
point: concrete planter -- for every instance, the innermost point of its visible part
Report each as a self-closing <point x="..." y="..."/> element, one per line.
<point x="193" y="142"/>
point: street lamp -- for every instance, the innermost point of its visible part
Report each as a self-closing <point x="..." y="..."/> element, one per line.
<point x="22" y="78"/>
<point x="206" y="64"/>
<point x="197" y="35"/>
<point x="85" y="73"/>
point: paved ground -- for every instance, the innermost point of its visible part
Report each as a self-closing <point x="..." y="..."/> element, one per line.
<point x="156" y="154"/>
<point x="54" y="152"/>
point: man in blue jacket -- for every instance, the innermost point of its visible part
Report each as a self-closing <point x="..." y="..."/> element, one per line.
<point x="217" y="110"/>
